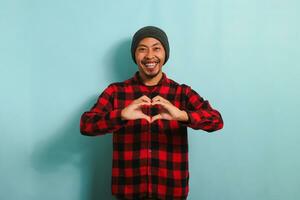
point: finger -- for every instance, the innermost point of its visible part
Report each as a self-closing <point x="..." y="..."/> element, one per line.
<point x="156" y="98"/>
<point x="159" y="98"/>
<point x="143" y="116"/>
<point x="163" y="104"/>
<point x="145" y="99"/>
<point x="141" y="104"/>
<point x="167" y="107"/>
<point x="156" y="117"/>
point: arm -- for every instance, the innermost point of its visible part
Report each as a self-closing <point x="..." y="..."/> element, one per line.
<point x="102" y="118"/>
<point x="200" y="114"/>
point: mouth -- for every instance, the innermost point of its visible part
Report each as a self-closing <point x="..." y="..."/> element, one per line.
<point x="150" y="65"/>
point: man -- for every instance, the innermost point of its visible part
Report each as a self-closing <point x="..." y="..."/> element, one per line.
<point x="148" y="115"/>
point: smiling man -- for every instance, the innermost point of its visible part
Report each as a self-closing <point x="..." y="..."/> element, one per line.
<point x="148" y="115"/>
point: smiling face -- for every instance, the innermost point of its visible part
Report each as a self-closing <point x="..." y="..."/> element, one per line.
<point x="150" y="57"/>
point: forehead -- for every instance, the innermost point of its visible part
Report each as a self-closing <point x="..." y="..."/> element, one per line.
<point x="149" y="41"/>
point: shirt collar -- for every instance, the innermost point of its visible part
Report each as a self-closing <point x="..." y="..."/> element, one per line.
<point x="162" y="81"/>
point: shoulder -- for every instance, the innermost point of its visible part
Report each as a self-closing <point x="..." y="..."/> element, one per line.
<point x="118" y="86"/>
<point x="182" y="86"/>
<point x="184" y="89"/>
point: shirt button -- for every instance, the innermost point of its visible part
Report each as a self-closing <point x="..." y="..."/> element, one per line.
<point x="150" y="150"/>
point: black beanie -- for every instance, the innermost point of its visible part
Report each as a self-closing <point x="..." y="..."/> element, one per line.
<point x="150" y="31"/>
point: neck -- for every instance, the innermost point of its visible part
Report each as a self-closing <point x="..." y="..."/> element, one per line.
<point x="151" y="81"/>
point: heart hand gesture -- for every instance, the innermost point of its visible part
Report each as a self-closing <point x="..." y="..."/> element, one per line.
<point x="134" y="109"/>
<point x="166" y="110"/>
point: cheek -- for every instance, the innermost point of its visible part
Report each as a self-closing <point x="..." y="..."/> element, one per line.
<point x="162" y="57"/>
<point x="138" y="58"/>
<point x="162" y="60"/>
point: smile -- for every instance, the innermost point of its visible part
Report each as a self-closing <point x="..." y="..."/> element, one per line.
<point x="150" y="65"/>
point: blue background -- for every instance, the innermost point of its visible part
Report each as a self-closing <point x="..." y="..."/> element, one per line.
<point x="57" y="56"/>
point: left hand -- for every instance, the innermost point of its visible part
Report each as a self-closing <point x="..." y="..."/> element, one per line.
<point x="168" y="111"/>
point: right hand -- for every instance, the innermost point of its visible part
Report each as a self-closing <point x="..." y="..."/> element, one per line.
<point x="134" y="109"/>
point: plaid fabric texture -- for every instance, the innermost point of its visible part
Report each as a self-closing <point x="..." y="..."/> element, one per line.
<point x="150" y="160"/>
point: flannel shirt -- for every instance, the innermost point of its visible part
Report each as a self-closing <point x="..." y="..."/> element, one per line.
<point x="150" y="160"/>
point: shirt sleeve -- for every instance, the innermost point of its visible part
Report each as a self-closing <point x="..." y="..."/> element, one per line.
<point x="102" y="118"/>
<point x="201" y="114"/>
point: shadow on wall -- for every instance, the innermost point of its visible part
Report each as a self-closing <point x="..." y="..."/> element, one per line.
<point x="92" y="155"/>
<point x="122" y="65"/>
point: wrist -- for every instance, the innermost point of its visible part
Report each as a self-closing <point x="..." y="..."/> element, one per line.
<point x="122" y="114"/>
<point x="183" y="116"/>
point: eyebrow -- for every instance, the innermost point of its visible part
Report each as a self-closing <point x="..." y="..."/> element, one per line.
<point x="157" y="43"/>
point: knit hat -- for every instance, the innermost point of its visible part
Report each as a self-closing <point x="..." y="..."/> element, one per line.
<point x="150" y="31"/>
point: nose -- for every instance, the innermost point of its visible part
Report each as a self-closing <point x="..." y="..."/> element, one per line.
<point x="149" y="54"/>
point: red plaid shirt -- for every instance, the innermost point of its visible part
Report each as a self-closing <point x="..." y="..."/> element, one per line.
<point x="149" y="159"/>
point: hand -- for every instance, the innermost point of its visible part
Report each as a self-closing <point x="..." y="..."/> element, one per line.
<point x="134" y="109"/>
<point x="168" y="111"/>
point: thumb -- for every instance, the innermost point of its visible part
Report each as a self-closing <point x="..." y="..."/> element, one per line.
<point x="156" y="117"/>
<point x="143" y="116"/>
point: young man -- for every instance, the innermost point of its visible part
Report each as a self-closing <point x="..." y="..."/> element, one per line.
<point x="148" y="115"/>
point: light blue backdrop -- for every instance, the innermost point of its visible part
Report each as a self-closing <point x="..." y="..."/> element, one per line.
<point x="57" y="56"/>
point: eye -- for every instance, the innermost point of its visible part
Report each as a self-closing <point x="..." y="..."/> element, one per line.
<point x="156" y="48"/>
<point x="141" y="49"/>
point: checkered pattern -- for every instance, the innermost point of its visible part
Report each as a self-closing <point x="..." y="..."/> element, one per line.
<point x="149" y="159"/>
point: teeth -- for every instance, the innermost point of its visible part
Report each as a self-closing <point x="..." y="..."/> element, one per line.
<point x="150" y="65"/>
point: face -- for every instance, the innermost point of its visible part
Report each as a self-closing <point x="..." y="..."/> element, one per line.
<point x="150" y="57"/>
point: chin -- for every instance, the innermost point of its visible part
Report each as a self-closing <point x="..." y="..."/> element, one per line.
<point x="152" y="74"/>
